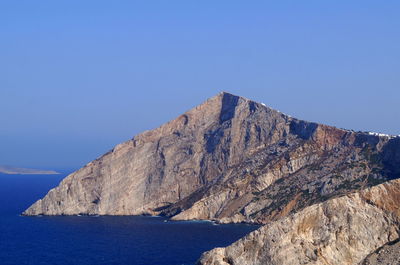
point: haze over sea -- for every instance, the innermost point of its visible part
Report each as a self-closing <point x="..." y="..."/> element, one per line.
<point x="110" y="240"/>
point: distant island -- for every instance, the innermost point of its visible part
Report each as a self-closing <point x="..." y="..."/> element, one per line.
<point x="25" y="171"/>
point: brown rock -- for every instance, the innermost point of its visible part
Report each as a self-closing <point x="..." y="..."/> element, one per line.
<point x="342" y="230"/>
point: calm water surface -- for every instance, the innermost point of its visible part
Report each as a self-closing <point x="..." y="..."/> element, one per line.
<point x="109" y="240"/>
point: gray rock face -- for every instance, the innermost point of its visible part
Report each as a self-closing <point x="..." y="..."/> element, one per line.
<point x="231" y="159"/>
<point x="158" y="168"/>
<point x="388" y="254"/>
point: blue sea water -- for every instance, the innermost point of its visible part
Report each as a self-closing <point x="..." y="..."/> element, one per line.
<point x="85" y="240"/>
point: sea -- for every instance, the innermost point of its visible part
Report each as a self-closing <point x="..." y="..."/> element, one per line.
<point x="91" y="240"/>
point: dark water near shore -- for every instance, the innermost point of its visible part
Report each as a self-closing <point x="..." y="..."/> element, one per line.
<point x="97" y="240"/>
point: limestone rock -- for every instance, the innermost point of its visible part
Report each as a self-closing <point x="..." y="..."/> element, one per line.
<point x="321" y="192"/>
<point x="160" y="167"/>
<point x="342" y="230"/>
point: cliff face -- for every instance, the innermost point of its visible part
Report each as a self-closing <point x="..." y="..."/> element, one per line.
<point x="338" y="231"/>
<point x="161" y="167"/>
<point x="234" y="160"/>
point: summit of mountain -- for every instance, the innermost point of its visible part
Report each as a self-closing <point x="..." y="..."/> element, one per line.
<point x="231" y="159"/>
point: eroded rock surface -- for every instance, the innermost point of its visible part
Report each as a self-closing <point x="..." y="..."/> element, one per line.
<point x="342" y="230"/>
<point x="158" y="168"/>
<point x="322" y="192"/>
<point x="388" y="254"/>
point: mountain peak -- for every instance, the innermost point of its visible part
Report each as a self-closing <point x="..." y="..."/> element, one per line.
<point x="231" y="159"/>
<point x="229" y="97"/>
<point x="229" y="100"/>
<point x="225" y="93"/>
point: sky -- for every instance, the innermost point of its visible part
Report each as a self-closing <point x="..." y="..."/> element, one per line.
<point x="79" y="77"/>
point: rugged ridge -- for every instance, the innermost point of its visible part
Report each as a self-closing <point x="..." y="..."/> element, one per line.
<point x="231" y="159"/>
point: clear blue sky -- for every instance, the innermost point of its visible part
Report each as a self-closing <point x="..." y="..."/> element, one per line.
<point x="78" y="77"/>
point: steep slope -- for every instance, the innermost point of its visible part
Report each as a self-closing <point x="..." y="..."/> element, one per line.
<point x="325" y="195"/>
<point x="342" y="231"/>
<point x="160" y="167"/>
<point x="230" y="159"/>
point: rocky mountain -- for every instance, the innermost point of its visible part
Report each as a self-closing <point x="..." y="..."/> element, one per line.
<point x="231" y="159"/>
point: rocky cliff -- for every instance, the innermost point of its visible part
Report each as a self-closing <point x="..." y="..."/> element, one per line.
<point x="342" y="230"/>
<point x="159" y="168"/>
<point x="234" y="160"/>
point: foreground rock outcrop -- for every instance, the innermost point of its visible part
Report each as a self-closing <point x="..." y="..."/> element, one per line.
<point x="234" y="160"/>
<point x="342" y="230"/>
